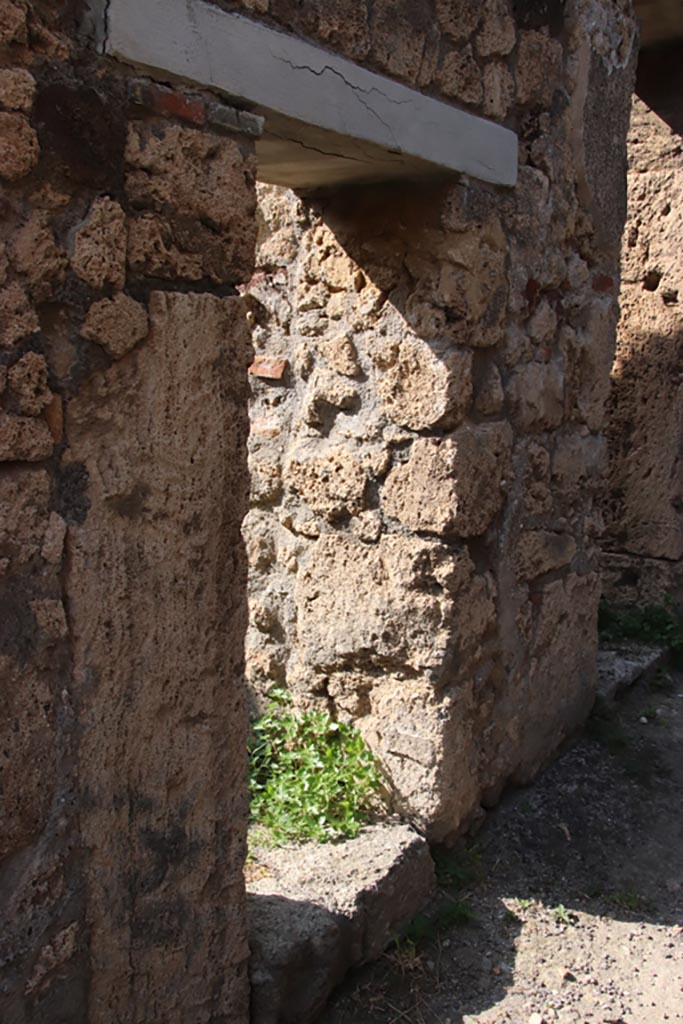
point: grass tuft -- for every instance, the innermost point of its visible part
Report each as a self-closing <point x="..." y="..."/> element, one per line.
<point x="310" y="778"/>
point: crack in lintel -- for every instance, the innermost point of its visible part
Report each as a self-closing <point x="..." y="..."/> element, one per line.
<point x="315" y="149"/>
<point x="358" y="91"/>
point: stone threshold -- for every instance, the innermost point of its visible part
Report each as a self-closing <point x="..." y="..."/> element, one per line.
<point x="317" y="911"/>
<point x="621" y="665"/>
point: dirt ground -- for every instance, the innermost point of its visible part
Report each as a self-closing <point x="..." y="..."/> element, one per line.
<point x="568" y="904"/>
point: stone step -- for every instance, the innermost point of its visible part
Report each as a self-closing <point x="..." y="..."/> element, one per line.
<point x="315" y="911"/>
<point x="622" y="665"/>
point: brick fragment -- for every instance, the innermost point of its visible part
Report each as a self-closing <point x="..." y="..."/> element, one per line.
<point x="271" y="369"/>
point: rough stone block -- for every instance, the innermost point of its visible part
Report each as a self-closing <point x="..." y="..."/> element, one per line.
<point x="36" y="255"/>
<point x="421" y="389"/>
<point x="18" y="319"/>
<point x="401" y="585"/>
<point x="24" y="439"/>
<point x="541" y="551"/>
<point x="321" y="910"/>
<point x="162" y="745"/>
<point x="203" y="178"/>
<point x="19" y="149"/>
<point x="116" y="324"/>
<point x="451" y="485"/>
<point x="27" y="381"/>
<point x="330" y="480"/>
<point x="100" y="249"/>
<point x="17" y="88"/>
<point x="539" y="68"/>
<point x="536" y="394"/>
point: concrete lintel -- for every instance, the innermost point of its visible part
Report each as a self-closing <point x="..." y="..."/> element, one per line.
<point x="328" y="121"/>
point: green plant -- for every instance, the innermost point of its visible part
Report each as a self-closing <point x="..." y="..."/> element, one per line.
<point x="309" y="776"/>
<point x="652" y="624"/>
<point x="562" y="915"/>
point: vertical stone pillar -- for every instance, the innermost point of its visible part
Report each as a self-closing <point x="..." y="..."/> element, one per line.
<point x="643" y="505"/>
<point x="128" y="221"/>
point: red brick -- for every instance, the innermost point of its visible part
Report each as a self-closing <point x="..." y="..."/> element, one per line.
<point x="176" y="104"/>
<point x="273" y="369"/>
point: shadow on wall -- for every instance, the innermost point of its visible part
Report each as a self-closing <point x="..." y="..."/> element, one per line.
<point x="386" y="479"/>
<point x="644" y="503"/>
<point x="644" y="496"/>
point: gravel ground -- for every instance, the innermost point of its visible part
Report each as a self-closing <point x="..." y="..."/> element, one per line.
<point x="568" y="904"/>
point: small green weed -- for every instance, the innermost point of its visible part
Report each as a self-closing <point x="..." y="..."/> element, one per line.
<point x="405" y="956"/>
<point x="524" y="904"/>
<point x="652" y="624"/>
<point x="562" y="915"/>
<point x="309" y="776"/>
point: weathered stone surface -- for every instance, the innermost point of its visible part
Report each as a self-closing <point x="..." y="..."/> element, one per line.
<point x="24" y="498"/>
<point x="403" y="623"/>
<point x="36" y="255"/>
<point x="490" y="396"/>
<point x="162" y="756"/>
<point x="497" y="34"/>
<point x="27" y="755"/>
<point x="460" y="76"/>
<point x="625" y="665"/>
<point x="550" y="695"/>
<point x="536" y="394"/>
<point x="420" y="389"/>
<point x="332" y="481"/>
<point x="120" y="859"/>
<point x="19" y="149"/>
<point x="541" y="551"/>
<point x="451" y="485"/>
<point x="12" y="23"/>
<point x="17" y="88"/>
<point x="467" y="333"/>
<point x="208" y="182"/>
<point x="17" y="317"/>
<point x="100" y="248"/>
<point x="27" y="381"/>
<point x="321" y="910"/>
<point x="24" y="439"/>
<point x="539" y="68"/>
<point x="644" y="417"/>
<point x="116" y="324"/>
<point x="629" y="580"/>
<point x="499" y="90"/>
<point x="458" y="18"/>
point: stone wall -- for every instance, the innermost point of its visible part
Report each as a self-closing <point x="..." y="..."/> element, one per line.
<point x="644" y="502"/>
<point x="428" y="399"/>
<point x="127" y="222"/>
